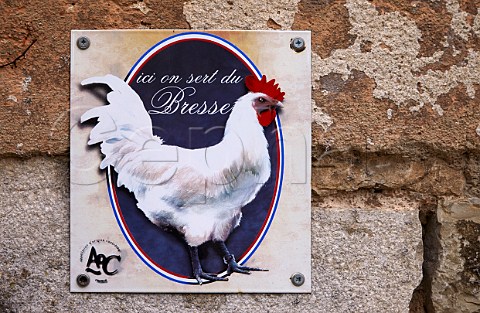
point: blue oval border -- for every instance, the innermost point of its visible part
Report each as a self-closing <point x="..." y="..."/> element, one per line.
<point x="111" y="192"/>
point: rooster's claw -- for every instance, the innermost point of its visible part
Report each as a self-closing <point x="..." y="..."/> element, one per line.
<point x="243" y="269"/>
<point x="233" y="267"/>
<point x="208" y="276"/>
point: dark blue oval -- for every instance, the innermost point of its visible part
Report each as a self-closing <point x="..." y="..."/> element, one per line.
<point x="165" y="251"/>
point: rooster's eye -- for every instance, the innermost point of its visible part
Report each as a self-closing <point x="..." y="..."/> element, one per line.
<point x="262" y="100"/>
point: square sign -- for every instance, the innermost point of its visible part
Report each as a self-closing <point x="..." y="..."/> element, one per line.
<point x="190" y="161"/>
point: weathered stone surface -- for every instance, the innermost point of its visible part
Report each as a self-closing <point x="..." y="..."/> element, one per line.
<point x="246" y="14"/>
<point x="456" y="283"/>
<point x="397" y="86"/>
<point x="383" y="70"/>
<point x="364" y="259"/>
<point x="348" y="171"/>
<point x="328" y="21"/>
<point x="472" y="174"/>
<point x="34" y="91"/>
<point x="431" y="18"/>
<point x="361" y="253"/>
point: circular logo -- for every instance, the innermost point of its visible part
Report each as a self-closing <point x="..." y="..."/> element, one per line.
<point x="101" y="258"/>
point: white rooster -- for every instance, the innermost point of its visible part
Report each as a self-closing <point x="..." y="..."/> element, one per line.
<point x="198" y="192"/>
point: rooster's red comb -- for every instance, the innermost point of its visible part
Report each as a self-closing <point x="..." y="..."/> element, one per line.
<point x="269" y="88"/>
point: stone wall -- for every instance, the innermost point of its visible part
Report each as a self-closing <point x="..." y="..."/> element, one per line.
<point x="396" y="137"/>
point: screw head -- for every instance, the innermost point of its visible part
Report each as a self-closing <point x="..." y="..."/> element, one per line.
<point x="297" y="44"/>
<point x="83" y="280"/>
<point x="83" y="43"/>
<point x="297" y="279"/>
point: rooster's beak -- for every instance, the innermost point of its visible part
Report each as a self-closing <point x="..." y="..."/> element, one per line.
<point x="279" y="104"/>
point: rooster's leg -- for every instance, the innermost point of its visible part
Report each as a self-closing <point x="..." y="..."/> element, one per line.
<point x="197" y="268"/>
<point x="233" y="266"/>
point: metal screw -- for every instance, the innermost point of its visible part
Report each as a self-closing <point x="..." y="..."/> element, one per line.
<point x="297" y="44"/>
<point x="83" y="43"/>
<point x="83" y="280"/>
<point x="297" y="279"/>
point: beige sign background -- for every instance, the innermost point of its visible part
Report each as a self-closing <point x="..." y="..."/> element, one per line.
<point x="286" y="248"/>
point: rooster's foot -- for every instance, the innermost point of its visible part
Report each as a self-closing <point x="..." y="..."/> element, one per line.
<point x="232" y="264"/>
<point x="197" y="269"/>
<point x="207" y="276"/>
<point x="234" y="267"/>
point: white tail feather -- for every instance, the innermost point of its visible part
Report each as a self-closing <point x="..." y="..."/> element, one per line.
<point x="123" y="126"/>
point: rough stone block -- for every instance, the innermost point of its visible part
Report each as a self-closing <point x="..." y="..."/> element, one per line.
<point x="456" y="282"/>
<point x="366" y="257"/>
<point x="367" y="253"/>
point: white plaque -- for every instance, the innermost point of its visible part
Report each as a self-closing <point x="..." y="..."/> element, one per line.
<point x="190" y="161"/>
